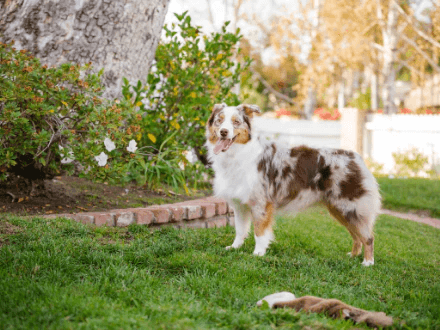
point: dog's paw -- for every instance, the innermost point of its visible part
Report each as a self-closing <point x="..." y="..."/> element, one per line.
<point x="367" y="263"/>
<point x="259" y="253"/>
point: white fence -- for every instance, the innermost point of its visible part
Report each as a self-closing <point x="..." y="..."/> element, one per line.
<point x="297" y="132"/>
<point x="382" y="135"/>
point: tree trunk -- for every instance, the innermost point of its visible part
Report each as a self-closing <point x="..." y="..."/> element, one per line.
<point x="120" y="36"/>
<point x="390" y="39"/>
<point x="374" y="91"/>
<point x="341" y="94"/>
<point x="310" y="104"/>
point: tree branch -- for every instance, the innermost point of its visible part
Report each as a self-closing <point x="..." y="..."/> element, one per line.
<point x="271" y="89"/>
<point x="417" y="30"/>
<point x="421" y="52"/>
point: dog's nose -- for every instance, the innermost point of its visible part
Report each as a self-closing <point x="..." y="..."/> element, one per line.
<point x="224" y="132"/>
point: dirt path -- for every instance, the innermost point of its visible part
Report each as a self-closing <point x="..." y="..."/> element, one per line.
<point x="426" y="220"/>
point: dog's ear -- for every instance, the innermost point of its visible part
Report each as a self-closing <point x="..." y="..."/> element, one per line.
<point x="249" y="109"/>
<point x="219" y="106"/>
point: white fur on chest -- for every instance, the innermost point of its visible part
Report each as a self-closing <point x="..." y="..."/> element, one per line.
<point x="236" y="174"/>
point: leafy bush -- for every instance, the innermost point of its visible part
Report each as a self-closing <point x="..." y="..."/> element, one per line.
<point x="410" y="163"/>
<point x="192" y="72"/>
<point x="47" y="114"/>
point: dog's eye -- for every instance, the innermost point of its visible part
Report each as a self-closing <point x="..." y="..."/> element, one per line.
<point x="236" y="123"/>
<point x="218" y="121"/>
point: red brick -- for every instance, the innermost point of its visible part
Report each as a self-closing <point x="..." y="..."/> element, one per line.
<point x="104" y="219"/>
<point x="178" y="213"/>
<point x="123" y="218"/>
<point x="161" y="214"/>
<point x="194" y="212"/>
<point x="85" y="218"/>
<point x="143" y="217"/>
<point x="194" y="224"/>
<point x="219" y="222"/>
<point x="208" y="210"/>
<point x="221" y="207"/>
<point x="230" y="209"/>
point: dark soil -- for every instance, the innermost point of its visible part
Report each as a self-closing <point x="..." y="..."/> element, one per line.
<point x="73" y="195"/>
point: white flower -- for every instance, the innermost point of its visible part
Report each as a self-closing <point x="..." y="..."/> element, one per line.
<point x="132" y="146"/>
<point x="190" y="156"/>
<point x="109" y="145"/>
<point x="66" y="160"/>
<point x="102" y="159"/>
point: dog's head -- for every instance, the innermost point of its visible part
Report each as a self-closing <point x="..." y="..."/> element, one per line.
<point x="228" y="125"/>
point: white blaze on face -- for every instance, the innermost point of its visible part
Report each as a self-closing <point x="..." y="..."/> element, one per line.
<point x="227" y="125"/>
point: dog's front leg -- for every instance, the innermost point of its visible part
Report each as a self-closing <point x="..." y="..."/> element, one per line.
<point x="263" y="220"/>
<point x="242" y="215"/>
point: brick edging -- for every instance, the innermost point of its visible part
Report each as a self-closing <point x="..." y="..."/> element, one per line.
<point x="200" y="213"/>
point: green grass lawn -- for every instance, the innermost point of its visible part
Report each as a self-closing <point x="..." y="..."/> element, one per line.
<point x="411" y="194"/>
<point x="58" y="274"/>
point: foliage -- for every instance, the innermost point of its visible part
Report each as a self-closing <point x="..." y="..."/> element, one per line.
<point x="412" y="194"/>
<point x="375" y="168"/>
<point x="410" y="163"/>
<point x="192" y="73"/>
<point x="48" y="114"/>
<point x="362" y="101"/>
<point x="133" y="277"/>
<point x="282" y="77"/>
<point x="432" y="110"/>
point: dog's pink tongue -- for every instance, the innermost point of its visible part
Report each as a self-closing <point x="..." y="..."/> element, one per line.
<point x="222" y="145"/>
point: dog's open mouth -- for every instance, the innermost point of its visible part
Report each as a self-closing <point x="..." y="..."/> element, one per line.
<point x="223" y="144"/>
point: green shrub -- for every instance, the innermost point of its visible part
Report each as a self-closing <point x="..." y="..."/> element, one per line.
<point x="410" y="163"/>
<point x="192" y="73"/>
<point x="47" y="114"/>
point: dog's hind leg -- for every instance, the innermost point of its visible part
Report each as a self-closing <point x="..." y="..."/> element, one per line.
<point x="242" y="219"/>
<point x="357" y="242"/>
<point x="263" y="220"/>
<point x="360" y="229"/>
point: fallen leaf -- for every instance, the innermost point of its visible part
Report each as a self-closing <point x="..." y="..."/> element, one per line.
<point x="20" y="199"/>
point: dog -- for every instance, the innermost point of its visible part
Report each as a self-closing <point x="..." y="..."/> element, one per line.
<point x="332" y="307"/>
<point x="257" y="177"/>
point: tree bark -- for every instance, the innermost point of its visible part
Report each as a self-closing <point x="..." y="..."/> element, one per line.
<point x="120" y="36"/>
<point x="390" y="39"/>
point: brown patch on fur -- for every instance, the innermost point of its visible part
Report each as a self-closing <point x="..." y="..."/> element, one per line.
<point x="285" y="172"/>
<point x="338" y="310"/>
<point x="217" y="108"/>
<point x="351" y="187"/>
<point x="309" y="165"/>
<point x="249" y="109"/>
<point x="265" y="222"/>
<point x="243" y="135"/>
<point x="274" y="149"/>
<point x="349" y="154"/>
<point x="213" y="138"/>
<point x="261" y="167"/>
